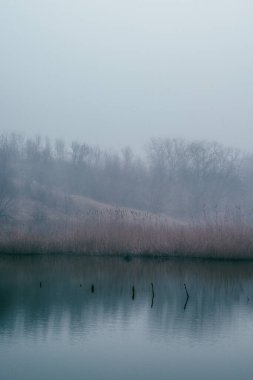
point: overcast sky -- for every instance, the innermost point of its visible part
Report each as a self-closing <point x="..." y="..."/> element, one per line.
<point x="114" y="72"/>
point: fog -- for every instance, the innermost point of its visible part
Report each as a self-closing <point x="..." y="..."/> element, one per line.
<point x="176" y="177"/>
<point x="117" y="73"/>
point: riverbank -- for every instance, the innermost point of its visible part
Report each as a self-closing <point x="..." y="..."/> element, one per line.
<point x="216" y="241"/>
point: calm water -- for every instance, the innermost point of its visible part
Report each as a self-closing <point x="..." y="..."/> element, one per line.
<point x="85" y="321"/>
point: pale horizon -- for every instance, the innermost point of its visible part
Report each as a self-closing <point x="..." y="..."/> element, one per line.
<point x="119" y="73"/>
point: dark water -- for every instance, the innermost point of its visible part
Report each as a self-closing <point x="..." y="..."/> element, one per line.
<point x="79" y="318"/>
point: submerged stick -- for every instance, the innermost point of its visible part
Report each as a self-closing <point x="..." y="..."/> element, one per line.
<point x="186" y="302"/>
<point x="187" y="296"/>
<point x="133" y="293"/>
<point x="186" y="291"/>
<point x="153" y="295"/>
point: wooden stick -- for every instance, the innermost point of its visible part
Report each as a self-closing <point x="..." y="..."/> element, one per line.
<point x="153" y="295"/>
<point x="187" y="296"/>
<point x="186" y="291"/>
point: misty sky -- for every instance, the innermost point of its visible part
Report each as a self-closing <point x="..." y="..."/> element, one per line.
<point x="114" y="72"/>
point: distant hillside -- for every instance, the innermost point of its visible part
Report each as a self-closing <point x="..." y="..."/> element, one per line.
<point x="42" y="180"/>
<point x="80" y="208"/>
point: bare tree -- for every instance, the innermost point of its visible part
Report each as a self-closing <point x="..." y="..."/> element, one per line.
<point x="6" y="178"/>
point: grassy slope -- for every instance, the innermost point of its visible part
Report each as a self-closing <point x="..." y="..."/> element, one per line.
<point x="79" y="208"/>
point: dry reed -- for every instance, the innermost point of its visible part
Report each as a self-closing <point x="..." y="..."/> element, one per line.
<point x="216" y="240"/>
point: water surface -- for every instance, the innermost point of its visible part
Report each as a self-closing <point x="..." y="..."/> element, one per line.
<point x="72" y="317"/>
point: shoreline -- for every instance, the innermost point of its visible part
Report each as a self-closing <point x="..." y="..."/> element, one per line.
<point x="128" y="240"/>
<point x="130" y="256"/>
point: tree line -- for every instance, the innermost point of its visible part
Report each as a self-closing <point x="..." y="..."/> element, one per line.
<point x="173" y="176"/>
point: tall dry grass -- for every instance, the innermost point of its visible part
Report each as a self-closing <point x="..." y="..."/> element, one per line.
<point x="221" y="239"/>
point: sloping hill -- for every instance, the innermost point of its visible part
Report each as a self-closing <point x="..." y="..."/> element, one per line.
<point x="63" y="208"/>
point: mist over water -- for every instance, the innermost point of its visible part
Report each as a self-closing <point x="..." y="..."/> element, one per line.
<point x="53" y="322"/>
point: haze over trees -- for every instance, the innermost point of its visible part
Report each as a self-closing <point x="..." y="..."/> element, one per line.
<point x="176" y="177"/>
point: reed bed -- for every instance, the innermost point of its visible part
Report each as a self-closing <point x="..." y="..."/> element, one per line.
<point x="217" y="240"/>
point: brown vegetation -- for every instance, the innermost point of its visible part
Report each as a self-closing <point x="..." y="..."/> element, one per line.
<point x="218" y="240"/>
<point x="82" y="199"/>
